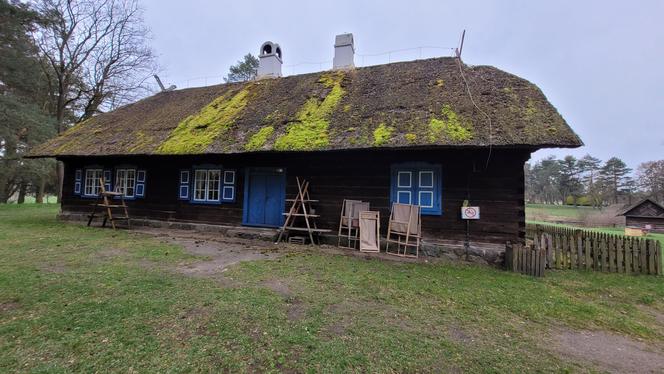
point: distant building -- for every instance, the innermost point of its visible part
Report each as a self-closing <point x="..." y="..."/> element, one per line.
<point x="647" y="213"/>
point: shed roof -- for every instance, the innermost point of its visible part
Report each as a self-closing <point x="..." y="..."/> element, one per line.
<point x="423" y="103"/>
<point x="645" y="208"/>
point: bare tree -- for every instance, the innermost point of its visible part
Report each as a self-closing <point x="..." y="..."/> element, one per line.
<point x="96" y="55"/>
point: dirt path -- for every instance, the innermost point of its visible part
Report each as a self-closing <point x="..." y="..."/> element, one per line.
<point x="221" y="252"/>
<point x="609" y="352"/>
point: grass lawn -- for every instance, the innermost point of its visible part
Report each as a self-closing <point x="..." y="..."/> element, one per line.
<point x="561" y="211"/>
<point x="78" y="299"/>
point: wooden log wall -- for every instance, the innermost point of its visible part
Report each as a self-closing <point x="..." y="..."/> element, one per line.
<point x="362" y="175"/>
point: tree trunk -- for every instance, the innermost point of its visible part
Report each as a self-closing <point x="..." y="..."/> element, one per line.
<point x="21" y="192"/>
<point x="39" y="199"/>
<point x="60" y="171"/>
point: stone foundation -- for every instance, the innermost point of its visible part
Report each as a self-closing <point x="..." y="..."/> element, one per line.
<point x="484" y="253"/>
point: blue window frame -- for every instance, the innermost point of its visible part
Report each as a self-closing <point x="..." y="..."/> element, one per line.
<point x="184" y="185"/>
<point x="91" y="186"/>
<point x="419" y="184"/>
<point x="207" y="184"/>
<point x="228" y="189"/>
<point x="108" y="185"/>
<point x="78" y="181"/>
<point x="141" y="176"/>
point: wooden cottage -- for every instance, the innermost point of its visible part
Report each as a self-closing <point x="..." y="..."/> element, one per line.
<point x="409" y="131"/>
<point x="645" y="214"/>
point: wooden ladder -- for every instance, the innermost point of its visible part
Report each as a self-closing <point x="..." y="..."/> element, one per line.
<point x="301" y="207"/>
<point x="104" y="202"/>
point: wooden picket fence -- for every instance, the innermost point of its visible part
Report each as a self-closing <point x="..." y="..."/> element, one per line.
<point x="569" y="248"/>
<point x="525" y="259"/>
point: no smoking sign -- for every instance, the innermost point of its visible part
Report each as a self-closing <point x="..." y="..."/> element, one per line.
<point x="470" y="212"/>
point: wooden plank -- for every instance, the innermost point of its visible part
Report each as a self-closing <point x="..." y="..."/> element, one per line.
<point x="579" y="249"/>
<point x="559" y="252"/>
<point x="532" y="261"/>
<point x="549" y="251"/>
<point x="651" y="257"/>
<point x="620" y="252"/>
<point x="612" y="253"/>
<point x="628" y="255"/>
<point x="597" y="252"/>
<point x="587" y="249"/>
<point x="604" y="248"/>
<point x="642" y="255"/>
<point x="658" y="259"/>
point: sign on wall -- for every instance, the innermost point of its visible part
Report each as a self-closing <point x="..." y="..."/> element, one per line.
<point x="470" y="212"/>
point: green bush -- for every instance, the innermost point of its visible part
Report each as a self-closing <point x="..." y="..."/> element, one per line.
<point x="581" y="200"/>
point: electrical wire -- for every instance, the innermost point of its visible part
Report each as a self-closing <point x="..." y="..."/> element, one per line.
<point x="472" y="100"/>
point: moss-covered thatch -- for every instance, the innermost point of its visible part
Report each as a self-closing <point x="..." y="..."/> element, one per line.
<point x="408" y="104"/>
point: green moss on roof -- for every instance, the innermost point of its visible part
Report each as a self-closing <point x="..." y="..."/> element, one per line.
<point x="258" y="140"/>
<point x="196" y="132"/>
<point x="411" y="138"/>
<point x="451" y="127"/>
<point x="382" y="134"/>
<point x="309" y="131"/>
<point x="141" y="142"/>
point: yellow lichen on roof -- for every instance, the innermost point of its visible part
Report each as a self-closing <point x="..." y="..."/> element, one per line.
<point x="309" y="130"/>
<point x="195" y="133"/>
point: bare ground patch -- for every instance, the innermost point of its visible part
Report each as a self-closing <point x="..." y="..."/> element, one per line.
<point x="609" y="352"/>
<point x="9" y="306"/>
<point x="220" y="252"/>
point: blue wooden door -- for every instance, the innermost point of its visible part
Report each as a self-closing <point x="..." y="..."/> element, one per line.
<point x="264" y="198"/>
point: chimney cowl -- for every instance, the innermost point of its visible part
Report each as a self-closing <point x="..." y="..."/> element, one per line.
<point x="269" y="61"/>
<point x="344" y="52"/>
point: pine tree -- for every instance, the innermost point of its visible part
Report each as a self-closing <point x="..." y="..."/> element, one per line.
<point x="244" y="70"/>
<point x="615" y="173"/>
<point x="23" y="97"/>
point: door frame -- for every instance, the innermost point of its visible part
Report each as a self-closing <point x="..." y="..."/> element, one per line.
<point x="282" y="199"/>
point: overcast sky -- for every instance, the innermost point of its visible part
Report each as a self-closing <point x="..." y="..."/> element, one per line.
<point x="601" y="63"/>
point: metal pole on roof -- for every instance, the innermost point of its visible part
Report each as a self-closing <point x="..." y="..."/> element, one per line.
<point x="460" y="48"/>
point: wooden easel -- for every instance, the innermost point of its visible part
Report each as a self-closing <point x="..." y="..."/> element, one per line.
<point x="301" y="207"/>
<point x="104" y="202"/>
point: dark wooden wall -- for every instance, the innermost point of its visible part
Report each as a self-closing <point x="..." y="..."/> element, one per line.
<point x="363" y="175"/>
<point x="657" y="223"/>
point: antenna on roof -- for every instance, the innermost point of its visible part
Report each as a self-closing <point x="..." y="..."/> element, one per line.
<point x="161" y="85"/>
<point x="458" y="50"/>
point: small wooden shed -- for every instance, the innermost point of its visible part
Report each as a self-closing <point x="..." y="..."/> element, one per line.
<point x="647" y="213"/>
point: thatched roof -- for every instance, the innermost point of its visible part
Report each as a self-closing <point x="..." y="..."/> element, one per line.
<point x="421" y="103"/>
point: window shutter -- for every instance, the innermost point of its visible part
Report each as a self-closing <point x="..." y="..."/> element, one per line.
<point x="403" y="187"/>
<point x="107" y="180"/>
<point x="228" y="189"/>
<point x="184" y="185"/>
<point x="78" y="177"/>
<point x="140" y="183"/>
<point x="418" y="184"/>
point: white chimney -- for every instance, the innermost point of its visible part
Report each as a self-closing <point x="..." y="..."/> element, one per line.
<point x="269" y="61"/>
<point x="344" y="52"/>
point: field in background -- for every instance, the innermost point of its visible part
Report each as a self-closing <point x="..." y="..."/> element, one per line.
<point x="79" y="299"/>
<point x="576" y="216"/>
<point x="31" y="200"/>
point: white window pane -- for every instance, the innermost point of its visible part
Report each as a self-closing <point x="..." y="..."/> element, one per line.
<point x="200" y="177"/>
<point x="214" y="177"/>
